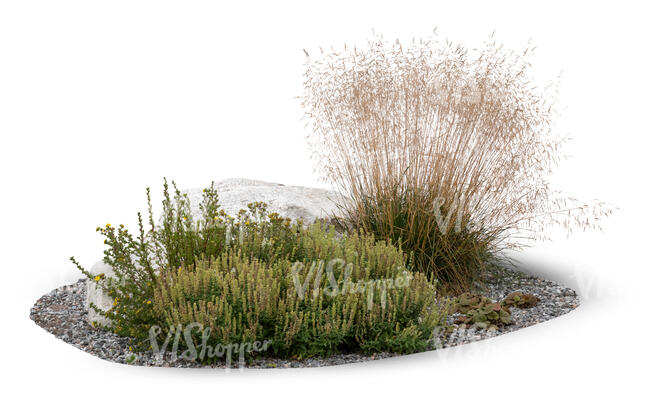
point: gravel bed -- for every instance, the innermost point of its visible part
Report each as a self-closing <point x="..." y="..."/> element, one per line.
<point x="62" y="312"/>
<point x="554" y="300"/>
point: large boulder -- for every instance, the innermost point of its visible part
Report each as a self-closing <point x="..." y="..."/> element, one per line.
<point x="294" y="202"/>
<point x="288" y="201"/>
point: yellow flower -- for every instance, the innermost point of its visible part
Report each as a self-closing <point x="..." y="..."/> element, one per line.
<point x="148" y="301"/>
<point x="108" y="225"/>
<point x="130" y="348"/>
<point x="97" y="278"/>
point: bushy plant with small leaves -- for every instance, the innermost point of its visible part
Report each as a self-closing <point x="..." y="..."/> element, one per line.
<point x="306" y="309"/>
<point x="137" y="260"/>
<point x="259" y="276"/>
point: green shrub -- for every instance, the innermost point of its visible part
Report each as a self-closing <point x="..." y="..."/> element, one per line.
<point x="261" y="277"/>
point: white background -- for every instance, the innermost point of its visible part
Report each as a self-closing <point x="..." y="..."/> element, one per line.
<point x="100" y="99"/>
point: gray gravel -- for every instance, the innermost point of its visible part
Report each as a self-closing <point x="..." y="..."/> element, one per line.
<point x="62" y="313"/>
<point x="555" y="300"/>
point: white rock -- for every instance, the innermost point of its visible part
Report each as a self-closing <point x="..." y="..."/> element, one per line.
<point x="288" y="201"/>
<point x="97" y="295"/>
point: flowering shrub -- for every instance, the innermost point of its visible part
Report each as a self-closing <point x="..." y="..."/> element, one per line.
<point x="258" y="276"/>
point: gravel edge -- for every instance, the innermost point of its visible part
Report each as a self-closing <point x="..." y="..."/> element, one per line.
<point x="63" y="313"/>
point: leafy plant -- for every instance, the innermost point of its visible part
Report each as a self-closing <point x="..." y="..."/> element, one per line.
<point x="243" y="299"/>
<point x="137" y="260"/>
<point x="520" y="300"/>
<point x="468" y="301"/>
<point x="480" y="311"/>
<point x="259" y="276"/>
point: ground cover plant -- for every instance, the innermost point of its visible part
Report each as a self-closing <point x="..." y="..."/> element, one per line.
<point x="260" y="277"/>
<point x="445" y="150"/>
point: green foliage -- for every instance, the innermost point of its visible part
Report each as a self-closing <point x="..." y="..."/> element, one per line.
<point x="259" y="276"/>
<point x="484" y="313"/>
<point x="468" y="301"/>
<point x="520" y="300"/>
<point x="480" y="311"/>
<point x="244" y="299"/>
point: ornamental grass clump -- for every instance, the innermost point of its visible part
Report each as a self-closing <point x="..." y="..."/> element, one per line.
<point x="444" y="149"/>
<point x="304" y="290"/>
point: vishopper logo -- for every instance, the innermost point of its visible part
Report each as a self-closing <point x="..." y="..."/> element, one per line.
<point x="471" y="342"/>
<point x="346" y="286"/>
<point x="590" y="285"/>
<point x="203" y="350"/>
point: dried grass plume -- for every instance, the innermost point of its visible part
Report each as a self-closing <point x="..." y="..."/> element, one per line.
<point x="402" y="131"/>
